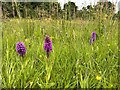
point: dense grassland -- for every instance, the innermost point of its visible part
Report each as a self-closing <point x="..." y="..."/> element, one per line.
<point x="73" y="63"/>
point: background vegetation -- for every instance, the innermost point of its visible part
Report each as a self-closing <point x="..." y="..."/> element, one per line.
<point x="73" y="63"/>
<point x="54" y="11"/>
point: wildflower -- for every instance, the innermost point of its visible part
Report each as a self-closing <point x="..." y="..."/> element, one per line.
<point x="91" y="40"/>
<point x="98" y="77"/>
<point x="111" y="85"/>
<point x="52" y="38"/>
<point x="40" y="56"/>
<point x="93" y="37"/>
<point x="108" y="45"/>
<point x="20" y="48"/>
<point x="26" y="40"/>
<point x="47" y="45"/>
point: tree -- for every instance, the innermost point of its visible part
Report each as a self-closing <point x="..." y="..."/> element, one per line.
<point x="56" y="10"/>
<point x="0" y="9"/>
<point x="106" y="7"/>
<point x="70" y="10"/>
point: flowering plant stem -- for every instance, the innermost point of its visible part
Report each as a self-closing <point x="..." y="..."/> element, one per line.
<point x="48" y="72"/>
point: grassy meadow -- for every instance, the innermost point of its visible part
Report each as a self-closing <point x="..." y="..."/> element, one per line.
<point x="73" y="63"/>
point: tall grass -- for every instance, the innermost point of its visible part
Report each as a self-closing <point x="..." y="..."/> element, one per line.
<point x="73" y="63"/>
